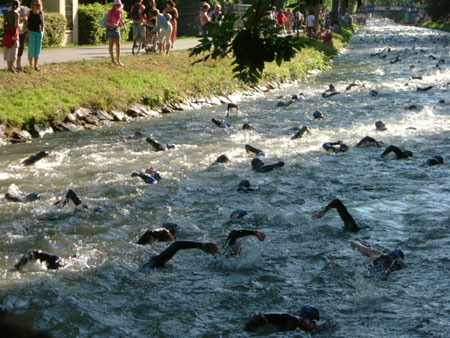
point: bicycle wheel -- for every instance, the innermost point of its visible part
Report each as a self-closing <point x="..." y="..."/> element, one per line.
<point x="137" y="44"/>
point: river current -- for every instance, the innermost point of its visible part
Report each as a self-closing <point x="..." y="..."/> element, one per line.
<point x="405" y="203"/>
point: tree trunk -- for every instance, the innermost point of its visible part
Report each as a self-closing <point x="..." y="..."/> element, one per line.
<point x="316" y="11"/>
<point x="334" y="15"/>
<point x="343" y="9"/>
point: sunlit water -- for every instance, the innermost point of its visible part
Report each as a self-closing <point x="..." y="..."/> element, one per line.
<point x="303" y="261"/>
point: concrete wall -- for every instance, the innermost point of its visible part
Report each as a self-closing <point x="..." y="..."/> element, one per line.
<point x="68" y="8"/>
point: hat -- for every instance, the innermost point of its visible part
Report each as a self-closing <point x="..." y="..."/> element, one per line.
<point x="317" y="115"/>
<point x="117" y="3"/>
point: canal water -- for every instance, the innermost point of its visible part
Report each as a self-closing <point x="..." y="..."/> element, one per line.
<point x="405" y="204"/>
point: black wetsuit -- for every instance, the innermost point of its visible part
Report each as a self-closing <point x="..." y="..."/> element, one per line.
<point x="259" y="166"/>
<point x="400" y="153"/>
<point x="159" y="261"/>
<point x="349" y="222"/>
<point x="155" y="144"/>
<point x="367" y="141"/>
<point x="383" y="265"/>
<point x="155" y="235"/>
<point x="284" y="321"/>
<point x="53" y="262"/>
<point x="251" y="149"/>
<point x="34" y="158"/>
<point x="149" y="179"/>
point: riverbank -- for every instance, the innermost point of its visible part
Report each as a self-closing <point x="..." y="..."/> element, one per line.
<point x="442" y="26"/>
<point x="88" y="94"/>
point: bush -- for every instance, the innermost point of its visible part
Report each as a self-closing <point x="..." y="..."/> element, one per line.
<point x="91" y="32"/>
<point x="55" y="29"/>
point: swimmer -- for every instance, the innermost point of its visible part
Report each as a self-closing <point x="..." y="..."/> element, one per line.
<point x="301" y="132"/>
<point x="232" y="106"/>
<point x="237" y="215"/>
<point x="331" y="91"/>
<point x="330" y="147"/>
<point x="79" y="205"/>
<point x="246" y="126"/>
<point x="222" y="159"/>
<point x="164" y="234"/>
<point x="380" y="126"/>
<point x="159" y="261"/>
<point x="424" y="89"/>
<point x="367" y="141"/>
<point x="256" y="151"/>
<point x="136" y="136"/>
<point x="158" y="146"/>
<point x="373" y="93"/>
<point x="435" y="160"/>
<point x="351" y="85"/>
<point x="244" y="186"/>
<point x="397" y="59"/>
<point x="231" y="244"/>
<point x="15" y="195"/>
<point x="318" y="115"/>
<point x="34" y="158"/>
<point x="287" y="104"/>
<point x="382" y="264"/>
<point x="150" y="176"/>
<point x="285" y="322"/>
<point x="400" y="153"/>
<point x="349" y="222"/>
<point x="219" y="123"/>
<point x="53" y="262"/>
<point x="259" y="167"/>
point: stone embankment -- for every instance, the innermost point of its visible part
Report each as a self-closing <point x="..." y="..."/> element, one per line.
<point x="86" y="119"/>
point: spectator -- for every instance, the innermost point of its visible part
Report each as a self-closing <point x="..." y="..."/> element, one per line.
<point x="328" y="38"/>
<point x="290" y="21"/>
<point x="23" y="11"/>
<point x="137" y="14"/>
<point x="204" y="18"/>
<point x="113" y="22"/>
<point x="11" y="35"/>
<point x="173" y="11"/>
<point x="281" y="19"/>
<point x="298" y="21"/>
<point x="150" y="24"/>
<point x="310" y="29"/>
<point x="164" y="27"/>
<point x="216" y="15"/>
<point x="36" y="30"/>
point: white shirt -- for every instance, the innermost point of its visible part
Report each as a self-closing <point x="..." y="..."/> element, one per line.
<point x="310" y="20"/>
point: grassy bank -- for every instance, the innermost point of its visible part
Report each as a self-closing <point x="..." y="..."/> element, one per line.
<point x="443" y="26"/>
<point x="148" y="79"/>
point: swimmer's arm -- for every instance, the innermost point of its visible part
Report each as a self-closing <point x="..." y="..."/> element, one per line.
<point x="160" y="235"/>
<point x="235" y="234"/>
<point x="166" y="255"/>
<point x="350" y="224"/>
<point x="366" y="251"/>
<point x="270" y="167"/>
<point x="400" y="154"/>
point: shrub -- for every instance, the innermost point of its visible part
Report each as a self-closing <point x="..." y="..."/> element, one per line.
<point x="91" y="32"/>
<point x="55" y="29"/>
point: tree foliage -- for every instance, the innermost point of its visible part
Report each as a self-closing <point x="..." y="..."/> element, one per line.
<point x="258" y="41"/>
<point x="439" y="10"/>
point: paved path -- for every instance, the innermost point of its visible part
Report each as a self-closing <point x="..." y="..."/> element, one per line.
<point x="56" y="55"/>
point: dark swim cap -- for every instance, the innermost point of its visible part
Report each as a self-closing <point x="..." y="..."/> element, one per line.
<point x="397" y="253"/>
<point x="238" y="213"/>
<point x="244" y="184"/>
<point x="295" y="97"/>
<point x="172" y="227"/>
<point x="280" y="104"/>
<point x="409" y="153"/>
<point x="317" y="115"/>
<point x="309" y="312"/>
<point x="256" y="163"/>
<point x="380" y="125"/>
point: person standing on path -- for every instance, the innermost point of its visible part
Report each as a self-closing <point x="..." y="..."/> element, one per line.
<point x="137" y="13"/>
<point x="173" y="11"/>
<point x="11" y="35"/>
<point x="23" y="11"/>
<point x="36" y="31"/>
<point x="204" y="18"/>
<point x="310" y="24"/>
<point x="113" y="22"/>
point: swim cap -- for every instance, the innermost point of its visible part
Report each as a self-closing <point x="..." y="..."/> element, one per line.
<point x="246" y="126"/>
<point x="256" y="162"/>
<point x="244" y="184"/>
<point x="441" y="101"/>
<point x="373" y="93"/>
<point x="317" y="115"/>
<point x="331" y="86"/>
<point x="280" y="104"/>
<point x="309" y="312"/>
<point x="409" y="153"/>
<point x="294" y="97"/>
<point x="172" y="227"/>
<point x="223" y="159"/>
<point x="343" y="147"/>
<point x="397" y="253"/>
<point x="380" y="125"/>
<point x="238" y="213"/>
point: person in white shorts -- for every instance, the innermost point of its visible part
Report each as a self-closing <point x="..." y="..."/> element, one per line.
<point x="165" y="30"/>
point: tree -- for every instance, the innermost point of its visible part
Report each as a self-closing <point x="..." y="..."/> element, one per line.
<point x="439" y="10"/>
<point x="334" y="16"/>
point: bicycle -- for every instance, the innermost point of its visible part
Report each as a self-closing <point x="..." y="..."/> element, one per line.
<point x="138" y="42"/>
<point x="151" y="39"/>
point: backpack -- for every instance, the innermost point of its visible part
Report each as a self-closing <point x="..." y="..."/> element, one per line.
<point x="102" y="22"/>
<point x="136" y="12"/>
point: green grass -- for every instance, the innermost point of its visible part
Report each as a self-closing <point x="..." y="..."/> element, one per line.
<point x="443" y="26"/>
<point x="150" y="79"/>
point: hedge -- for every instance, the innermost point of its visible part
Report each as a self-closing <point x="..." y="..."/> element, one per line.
<point x="90" y="31"/>
<point x="55" y="29"/>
